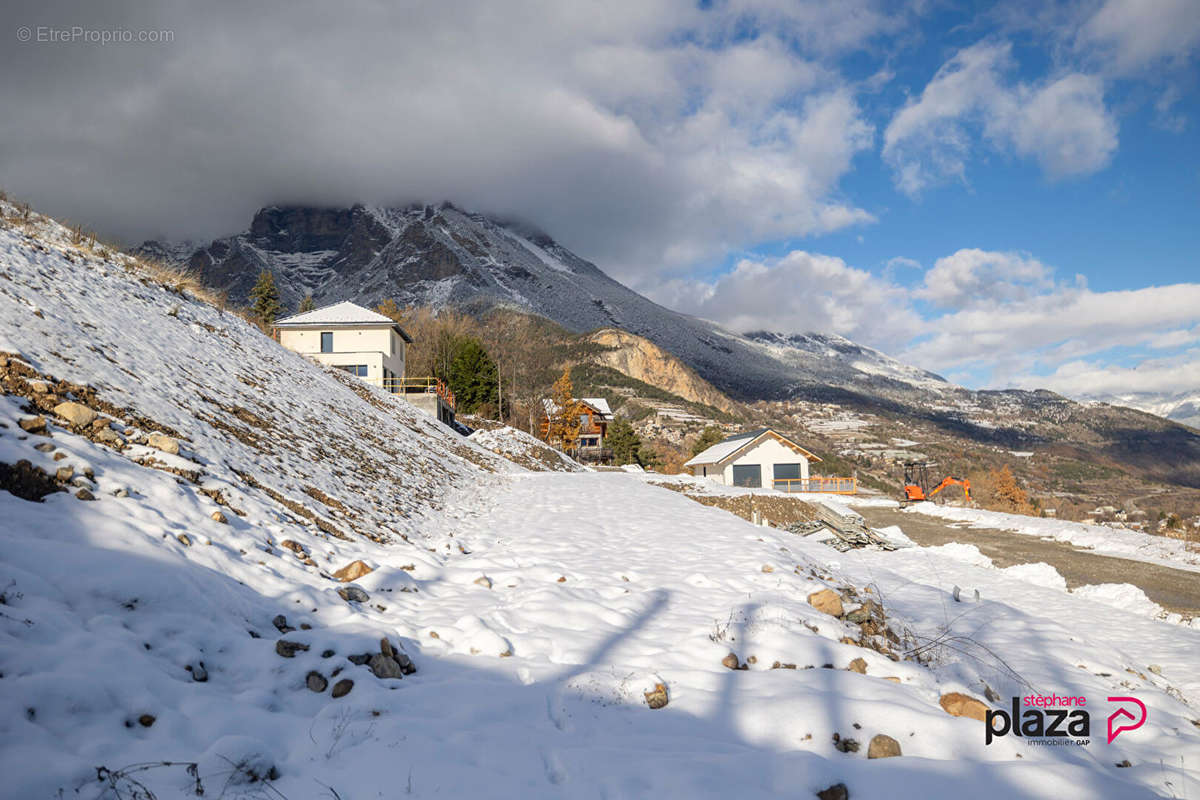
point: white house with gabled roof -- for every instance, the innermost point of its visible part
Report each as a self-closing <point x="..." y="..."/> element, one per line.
<point x="347" y="336"/>
<point x="758" y="459"/>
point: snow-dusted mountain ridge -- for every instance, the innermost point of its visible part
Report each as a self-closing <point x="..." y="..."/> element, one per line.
<point x="442" y="255"/>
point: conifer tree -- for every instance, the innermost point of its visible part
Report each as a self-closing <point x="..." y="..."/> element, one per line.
<point x="265" y="306"/>
<point x="472" y="376"/>
<point x="624" y="442"/>
<point x="306" y="304"/>
<point x="708" y="437"/>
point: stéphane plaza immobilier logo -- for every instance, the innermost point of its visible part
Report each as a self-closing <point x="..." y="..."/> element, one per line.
<point x="1055" y="720"/>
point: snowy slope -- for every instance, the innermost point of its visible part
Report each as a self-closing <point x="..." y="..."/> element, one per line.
<point x="538" y="608"/>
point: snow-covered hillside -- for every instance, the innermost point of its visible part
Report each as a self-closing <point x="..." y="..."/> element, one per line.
<point x="175" y="618"/>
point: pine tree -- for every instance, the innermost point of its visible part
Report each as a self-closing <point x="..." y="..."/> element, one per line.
<point x="708" y="437"/>
<point x="564" y="424"/>
<point x="624" y="442"/>
<point x="265" y="306"/>
<point x="472" y="376"/>
<point x="306" y="304"/>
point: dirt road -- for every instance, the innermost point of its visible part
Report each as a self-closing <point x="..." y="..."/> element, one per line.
<point x="1173" y="589"/>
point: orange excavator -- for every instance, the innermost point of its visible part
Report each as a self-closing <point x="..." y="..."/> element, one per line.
<point x="916" y="482"/>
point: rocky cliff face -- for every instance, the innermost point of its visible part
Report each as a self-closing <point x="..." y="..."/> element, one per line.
<point x="641" y="359"/>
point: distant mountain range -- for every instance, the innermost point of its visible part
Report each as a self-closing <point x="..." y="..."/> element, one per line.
<point x="1182" y="407"/>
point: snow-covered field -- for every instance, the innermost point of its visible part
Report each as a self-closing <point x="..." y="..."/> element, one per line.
<point x="539" y="609"/>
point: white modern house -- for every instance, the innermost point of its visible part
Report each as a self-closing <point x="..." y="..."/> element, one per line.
<point x="759" y="459"/>
<point x="347" y="336"/>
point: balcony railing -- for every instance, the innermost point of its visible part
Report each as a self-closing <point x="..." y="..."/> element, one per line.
<point x="592" y="453"/>
<point x="415" y="386"/>
<point x="817" y="484"/>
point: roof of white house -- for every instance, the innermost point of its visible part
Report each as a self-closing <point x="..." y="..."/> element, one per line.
<point x="341" y="314"/>
<point x="727" y="448"/>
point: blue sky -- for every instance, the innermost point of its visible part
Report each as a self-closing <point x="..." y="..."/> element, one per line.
<point x="1005" y="193"/>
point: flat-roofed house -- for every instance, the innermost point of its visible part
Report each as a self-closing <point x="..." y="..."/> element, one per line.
<point x="347" y="336"/>
<point x="758" y="459"/>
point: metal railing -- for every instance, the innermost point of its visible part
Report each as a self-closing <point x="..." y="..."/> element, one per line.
<point x="817" y="484"/>
<point x="415" y="386"/>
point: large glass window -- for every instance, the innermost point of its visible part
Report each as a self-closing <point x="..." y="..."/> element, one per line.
<point x="327" y="342"/>
<point x="749" y="475"/>
<point x="787" y="472"/>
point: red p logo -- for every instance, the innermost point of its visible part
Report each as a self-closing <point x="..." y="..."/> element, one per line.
<point x="1116" y="719"/>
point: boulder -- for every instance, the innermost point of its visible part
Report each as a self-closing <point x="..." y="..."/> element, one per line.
<point x="316" y="682"/>
<point x="353" y="594"/>
<point x="863" y="613"/>
<point x="484" y="581"/>
<point x="77" y="414"/>
<point x="64" y="474"/>
<point x="858" y="665"/>
<point x="289" y="649"/>
<point x="281" y="624"/>
<point x="184" y="539"/>
<point x="957" y="704"/>
<point x="353" y="571"/>
<point x="836" y="792"/>
<point x="84" y="494"/>
<point x="342" y="688"/>
<point x="167" y="444"/>
<point x="826" y="601"/>
<point x="32" y="424"/>
<point x="385" y="666"/>
<point x="883" y="746"/>
<point x="657" y="697"/>
<point x="146" y="720"/>
<point x="217" y="516"/>
<point x="109" y="436"/>
<point x="730" y="661"/>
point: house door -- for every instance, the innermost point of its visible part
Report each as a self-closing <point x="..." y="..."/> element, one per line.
<point x="749" y="475"/>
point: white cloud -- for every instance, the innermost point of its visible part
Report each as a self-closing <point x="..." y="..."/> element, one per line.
<point x="1130" y="36"/>
<point x="998" y="318"/>
<point x="976" y="277"/>
<point x="1165" y="376"/>
<point x="638" y="132"/>
<point x="800" y="292"/>
<point x="1063" y="123"/>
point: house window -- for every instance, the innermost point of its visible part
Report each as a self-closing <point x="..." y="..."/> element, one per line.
<point x="327" y="342"/>
<point x="787" y="472"/>
<point x="354" y="369"/>
<point x="749" y="475"/>
<point x="583" y="421"/>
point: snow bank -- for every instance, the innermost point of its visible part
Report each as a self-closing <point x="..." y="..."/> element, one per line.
<point x="1040" y="574"/>
<point x="1124" y="596"/>
<point x="524" y="450"/>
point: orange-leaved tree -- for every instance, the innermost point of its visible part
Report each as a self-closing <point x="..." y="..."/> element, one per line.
<point x="563" y="413"/>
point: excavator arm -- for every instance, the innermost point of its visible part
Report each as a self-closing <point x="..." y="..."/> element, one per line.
<point x="963" y="482"/>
